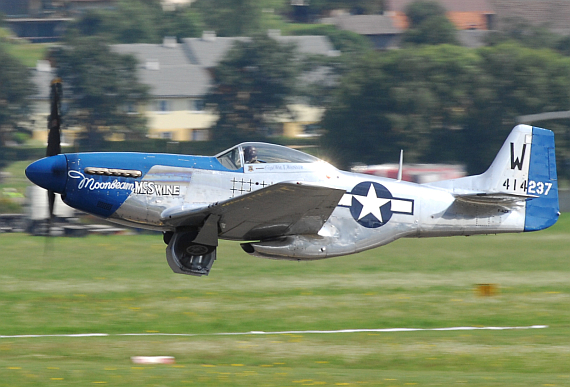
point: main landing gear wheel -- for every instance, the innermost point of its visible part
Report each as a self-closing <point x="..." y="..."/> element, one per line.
<point x="187" y="257"/>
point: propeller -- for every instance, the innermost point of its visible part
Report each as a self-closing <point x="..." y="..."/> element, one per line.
<point x="54" y="135"/>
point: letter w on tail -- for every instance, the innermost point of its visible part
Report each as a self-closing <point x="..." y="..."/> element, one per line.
<point x="516" y="162"/>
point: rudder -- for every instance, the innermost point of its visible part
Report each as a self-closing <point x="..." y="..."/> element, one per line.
<point x="543" y="210"/>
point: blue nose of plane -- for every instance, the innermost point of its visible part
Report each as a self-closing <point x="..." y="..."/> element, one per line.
<point x="49" y="173"/>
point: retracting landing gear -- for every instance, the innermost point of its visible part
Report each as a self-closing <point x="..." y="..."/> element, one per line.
<point x="193" y="251"/>
<point x="186" y="257"/>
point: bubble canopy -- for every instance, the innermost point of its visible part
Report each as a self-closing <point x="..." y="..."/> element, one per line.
<point x="259" y="152"/>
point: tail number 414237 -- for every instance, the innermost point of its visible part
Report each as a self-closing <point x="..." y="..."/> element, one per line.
<point x="532" y="188"/>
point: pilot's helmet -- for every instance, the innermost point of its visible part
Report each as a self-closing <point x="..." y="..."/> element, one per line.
<point x="249" y="153"/>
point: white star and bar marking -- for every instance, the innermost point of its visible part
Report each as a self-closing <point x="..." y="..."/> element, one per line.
<point x="371" y="204"/>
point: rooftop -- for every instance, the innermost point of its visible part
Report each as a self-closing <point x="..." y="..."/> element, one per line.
<point x="181" y="69"/>
<point x="554" y="14"/>
<point x="365" y="24"/>
<point x="209" y="50"/>
<point x="167" y="69"/>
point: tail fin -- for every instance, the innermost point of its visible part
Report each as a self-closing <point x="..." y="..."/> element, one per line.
<point x="524" y="169"/>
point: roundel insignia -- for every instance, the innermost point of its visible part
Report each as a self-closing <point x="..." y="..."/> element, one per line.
<point x="372" y="204"/>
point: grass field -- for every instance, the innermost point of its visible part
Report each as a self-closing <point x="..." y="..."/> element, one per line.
<point x="122" y="284"/>
<point x="17" y="178"/>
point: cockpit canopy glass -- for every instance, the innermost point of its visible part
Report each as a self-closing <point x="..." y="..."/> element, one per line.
<point x="258" y="152"/>
<point x="231" y="159"/>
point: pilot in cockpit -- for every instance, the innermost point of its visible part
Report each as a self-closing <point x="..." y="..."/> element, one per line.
<point x="250" y="155"/>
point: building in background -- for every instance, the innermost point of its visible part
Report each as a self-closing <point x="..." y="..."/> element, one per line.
<point x="380" y="29"/>
<point x="179" y="78"/>
<point x="552" y="14"/>
<point x="178" y="75"/>
<point x="177" y="87"/>
<point x="464" y="14"/>
<point x="473" y="19"/>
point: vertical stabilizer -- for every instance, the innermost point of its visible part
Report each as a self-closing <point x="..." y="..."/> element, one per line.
<point x="524" y="171"/>
<point x="509" y="172"/>
<point x="526" y="166"/>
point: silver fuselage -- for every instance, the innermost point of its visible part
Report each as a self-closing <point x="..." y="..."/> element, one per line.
<point x="425" y="211"/>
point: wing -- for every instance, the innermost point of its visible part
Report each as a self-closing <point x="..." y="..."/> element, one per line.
<point x="280" y="209"/>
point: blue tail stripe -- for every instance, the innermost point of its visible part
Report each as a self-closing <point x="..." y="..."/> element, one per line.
<point x="543" y="211"/>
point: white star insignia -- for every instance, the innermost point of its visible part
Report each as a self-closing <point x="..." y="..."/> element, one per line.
<point x="371" y="204"/>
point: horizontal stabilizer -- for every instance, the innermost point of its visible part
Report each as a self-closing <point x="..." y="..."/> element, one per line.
<point x="501" y="199"/>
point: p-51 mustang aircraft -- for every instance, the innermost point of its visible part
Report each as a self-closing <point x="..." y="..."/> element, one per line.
<point x="285" y="204"/>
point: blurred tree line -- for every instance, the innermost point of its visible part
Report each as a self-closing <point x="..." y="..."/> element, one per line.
<point x="15" y="88"/>
<point x="147" y="21"/>
<point x="438" y="101"/>
<point x="102" y="89"/>
<point x="443" y="103"/>
<point x="250" y="87"/>
<point x="138" y="21"/>
<point x="428" y="24"/>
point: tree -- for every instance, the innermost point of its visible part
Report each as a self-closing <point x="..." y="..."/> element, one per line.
<point x="317" y="8"/>
<point x="15" y="89"/>
<point x="419" y="11"/>
<point x="231" y="17"/>
<point x="131" y="22"/>
<point x="519" y="81"/>
<point x="103" y="89"/>
<point x="524" y="33"/>
<point x="412" y="99"/>
<point x="135" y="21"/>
<point x="183" y="22"/>
<point x="428" y="24"/>
<point x="445" y="104"/>
<point x="251" y="86"/>
<point x="328" y="69"/>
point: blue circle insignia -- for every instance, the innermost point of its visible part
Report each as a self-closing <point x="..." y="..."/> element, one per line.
<point x="371" y="204"/>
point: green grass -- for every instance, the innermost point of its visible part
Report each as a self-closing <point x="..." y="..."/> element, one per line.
<point x="16" y="181"/>
<point x="122" y="284"/>
<point x="17" y="178"/>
